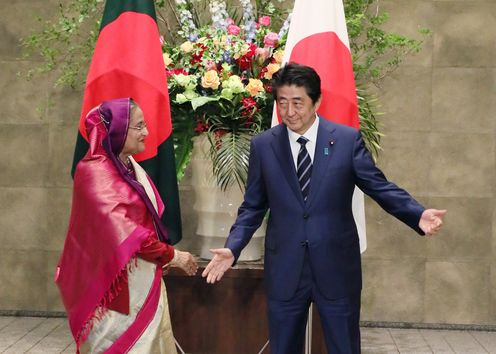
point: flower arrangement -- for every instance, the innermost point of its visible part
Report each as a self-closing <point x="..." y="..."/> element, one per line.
<point x="219" y="84"/>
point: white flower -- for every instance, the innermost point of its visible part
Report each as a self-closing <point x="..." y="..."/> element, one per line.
<point x="227" y="93"/>
<point x="190" y="94"/>
<point x="234" y="83"/>
<point x="182" y="80"/>
<point x="219" y="14"/>
<point x="180" y="98"/>
<point x="285" y="27"/>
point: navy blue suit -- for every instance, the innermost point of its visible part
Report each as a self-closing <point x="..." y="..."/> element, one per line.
<point x="322" y="230"/>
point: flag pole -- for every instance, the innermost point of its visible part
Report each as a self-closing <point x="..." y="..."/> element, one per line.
<point x="263" y="348"/>
<point x="308" y="331"/>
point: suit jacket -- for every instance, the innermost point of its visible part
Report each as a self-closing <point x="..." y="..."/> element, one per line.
<point x="324" y="223"/>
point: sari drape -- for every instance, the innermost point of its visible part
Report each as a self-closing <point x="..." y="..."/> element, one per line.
<point x="147" y="328"/>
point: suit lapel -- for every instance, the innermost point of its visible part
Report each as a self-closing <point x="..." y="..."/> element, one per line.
<point x="323" y="154"/>
<point x="282" y="150"/>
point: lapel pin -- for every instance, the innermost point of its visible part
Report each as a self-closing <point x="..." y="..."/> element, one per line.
<point x="331" y="142"/>
<point x="326" y="151"/>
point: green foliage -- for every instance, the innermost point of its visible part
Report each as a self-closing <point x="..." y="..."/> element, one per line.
<point x="369" y="124"/>
<point x="376" y="53"/>
<point x="183" y="131"/>
<point x="229" y="153"/>
<point x="66" y="43"/>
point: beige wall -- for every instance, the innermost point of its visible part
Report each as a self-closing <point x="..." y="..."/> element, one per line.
<point x="440" y="145"/>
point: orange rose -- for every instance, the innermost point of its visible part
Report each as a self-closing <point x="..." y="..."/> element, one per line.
<point x="254" y="86"/>
<point x="167" y="59"/>
<point x="271" y="69"/>
<point x="278" y="56"/>
<point x="186" y="47"/>
<point x="210" y="80"/>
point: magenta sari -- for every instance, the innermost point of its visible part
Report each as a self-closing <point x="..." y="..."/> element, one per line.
<point x="112" y="216"/>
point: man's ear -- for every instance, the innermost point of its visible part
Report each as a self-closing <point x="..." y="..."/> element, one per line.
<point x="317" y="104"/>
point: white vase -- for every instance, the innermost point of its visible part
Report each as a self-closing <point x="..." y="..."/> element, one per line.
<point x="217" y="209"/>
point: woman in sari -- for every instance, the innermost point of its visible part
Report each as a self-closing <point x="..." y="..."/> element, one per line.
<point x="110" y="271"/>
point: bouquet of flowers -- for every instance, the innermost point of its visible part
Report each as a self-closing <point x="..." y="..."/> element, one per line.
<point x="219" y="84"/>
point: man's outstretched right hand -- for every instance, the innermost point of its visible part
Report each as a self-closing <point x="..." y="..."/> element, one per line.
<point x="222" y="261"/>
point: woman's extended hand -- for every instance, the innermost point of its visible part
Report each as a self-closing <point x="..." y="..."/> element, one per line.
<point x="185" y="261"/>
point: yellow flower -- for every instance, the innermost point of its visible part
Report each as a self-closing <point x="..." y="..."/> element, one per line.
<point x="210" y="80"/>
<point x="167" y="59"/>
<point x="278" y="56"/>
<point x="271" y="69"/>
<point x="186" y="47"/>
<point x="254" y="86"/>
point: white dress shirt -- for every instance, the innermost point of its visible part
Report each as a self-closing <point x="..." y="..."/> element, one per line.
<point x="310" y="135"/>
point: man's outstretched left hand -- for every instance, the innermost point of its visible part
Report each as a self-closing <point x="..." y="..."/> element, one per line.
<point x="431" y="221"/>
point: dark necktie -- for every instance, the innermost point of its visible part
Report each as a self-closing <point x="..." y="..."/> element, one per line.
<point x="304" y="167"/>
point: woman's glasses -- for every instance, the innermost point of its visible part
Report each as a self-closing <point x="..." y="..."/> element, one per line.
<point x="140" y="126"/>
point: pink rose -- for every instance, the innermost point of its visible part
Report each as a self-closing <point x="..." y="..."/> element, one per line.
<point x="230" y="21"/>
<point x="264" y="21"/>
<point x="233" y="29"/>
<point x="261" y="54"/>
<point x="270" y="39"/>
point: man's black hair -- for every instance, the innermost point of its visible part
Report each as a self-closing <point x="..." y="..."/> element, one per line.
<point x="293" y="74"/>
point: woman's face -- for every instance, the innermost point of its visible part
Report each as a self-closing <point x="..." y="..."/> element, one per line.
<point x="136" y="134"/>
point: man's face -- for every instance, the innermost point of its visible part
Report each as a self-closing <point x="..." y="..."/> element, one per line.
<point x="296" y="108"/>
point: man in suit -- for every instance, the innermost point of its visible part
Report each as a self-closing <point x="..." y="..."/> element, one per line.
<point x="305" y="171"/>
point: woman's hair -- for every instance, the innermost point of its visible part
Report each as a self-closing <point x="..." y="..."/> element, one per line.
<point x="293" y="74"/>
<point x="134" y="106"/>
